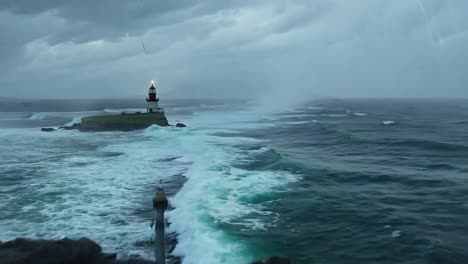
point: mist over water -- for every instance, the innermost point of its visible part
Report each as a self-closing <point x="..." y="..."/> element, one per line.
<point x="372" y="180"/>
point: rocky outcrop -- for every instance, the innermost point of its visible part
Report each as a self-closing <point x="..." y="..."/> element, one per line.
<point x="180" y="125"/>
<point x="275" y="260"/>
<point x="65" y="251"/>
<point x="21" y="251"/>
<point x="122" y="122"/>
<point x="47" y="129"/>
<point x="75" y="126"/>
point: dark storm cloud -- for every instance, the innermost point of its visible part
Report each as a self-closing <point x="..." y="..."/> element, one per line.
<point x="85" y="20"/>
<point x="290" y="49"/>
<point x="110" y="19"/>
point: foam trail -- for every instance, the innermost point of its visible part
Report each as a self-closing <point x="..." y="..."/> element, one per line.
<point x="217" y="190"/>
<point x="388" y="122"/>
<point x="76" y="192"/>
<point x="360" y="114"/>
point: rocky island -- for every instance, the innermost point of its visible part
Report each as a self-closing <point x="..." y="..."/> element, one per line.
<point x="125" y="121"/>
<point x="80" y="251"/>
<point x="122" y="122"/>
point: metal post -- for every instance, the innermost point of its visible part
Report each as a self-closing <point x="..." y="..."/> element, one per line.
<point x="160" y="204"/>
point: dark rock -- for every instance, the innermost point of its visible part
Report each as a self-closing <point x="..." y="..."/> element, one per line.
<point x="75" y="126"/>
<point x="127" y="122"/>
<point x="47" y="129"/>
<point x="133" y="260"/>
<point x="180" y="125"/>
<point x="275" y="260"/>
<point x="65" y="251"/>
<point x="111" y="256"/>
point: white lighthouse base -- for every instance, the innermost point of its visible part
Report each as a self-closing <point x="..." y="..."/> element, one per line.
<point x="153" y="108"/>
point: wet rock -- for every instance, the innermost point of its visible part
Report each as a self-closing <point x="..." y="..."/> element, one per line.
<point x="275" y="260"/>
<point x="127" y="122"/>
<point x="134" y="260"/>
<point x="180" y="125"/>
<point x="47" y="129"/>
<point x="65" y="251"/>
<point x="75" y="126"/>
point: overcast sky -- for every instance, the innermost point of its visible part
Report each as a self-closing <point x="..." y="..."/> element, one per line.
<point x="234" y="48"/>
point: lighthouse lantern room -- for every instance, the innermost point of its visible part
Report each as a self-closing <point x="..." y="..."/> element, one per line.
<point x="152" y="100"/>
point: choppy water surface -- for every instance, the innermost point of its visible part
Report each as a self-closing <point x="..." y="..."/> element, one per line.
<point x="337" y="181"/>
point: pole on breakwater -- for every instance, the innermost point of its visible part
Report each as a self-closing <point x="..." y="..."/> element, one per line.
<point x="160" y="204"/>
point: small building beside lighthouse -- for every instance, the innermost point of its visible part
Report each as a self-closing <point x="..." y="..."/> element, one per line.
<point x="152" y="100"/>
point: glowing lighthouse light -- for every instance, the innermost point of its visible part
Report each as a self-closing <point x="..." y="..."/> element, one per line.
<point x="152" y="100"/>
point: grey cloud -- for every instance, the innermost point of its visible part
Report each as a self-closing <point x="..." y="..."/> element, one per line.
<point x="111" y="19"/>
<point x="288" y="49"/>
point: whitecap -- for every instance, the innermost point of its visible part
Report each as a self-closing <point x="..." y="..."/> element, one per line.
<point x="314" y="107"/>
<point x="334" y="115"/>
<point x="388" y="122"/>
<point x="297" y="122"/>
<point x="296" y="116"/>
<point x="37" y="116"/>
<point x="75" y="120"/>
<point x="360" y="114"/>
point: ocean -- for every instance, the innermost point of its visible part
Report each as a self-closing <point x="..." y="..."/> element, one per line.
<point x="329" y="181"/>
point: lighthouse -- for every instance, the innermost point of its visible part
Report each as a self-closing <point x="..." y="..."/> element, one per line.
<point x="152" y="100"/>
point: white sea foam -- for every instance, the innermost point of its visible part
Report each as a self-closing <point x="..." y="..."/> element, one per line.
<point x="37" y="116"/>
<point x="314" y="107"/>
<point x="297" y="122"/>
<point x="86" y="193"/>
<point x="388" y="122"/>
<point x="296" y="116"/>
<point x="334" y="115"/>
<point x="83" y="194"/>
<point x="217" y="192"/>
<point x="360" y="114"/>
<point x="75" y="120"/>
<point x="396" y="233"/>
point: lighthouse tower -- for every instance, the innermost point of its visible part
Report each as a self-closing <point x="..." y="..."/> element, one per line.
<point x="152" y="100"/>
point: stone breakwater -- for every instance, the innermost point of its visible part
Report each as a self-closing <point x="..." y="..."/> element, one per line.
<point x="65" y="251"/>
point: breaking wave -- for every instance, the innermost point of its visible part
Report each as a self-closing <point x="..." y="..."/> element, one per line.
<point x="75" y="120"/>
<point x="388" y="122"/>
<point x="360" y="114"/>
<point x="36" y="116"/>
<point x="221" y="192"/>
